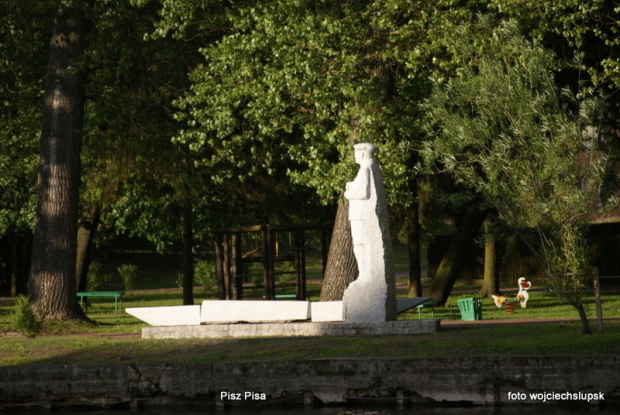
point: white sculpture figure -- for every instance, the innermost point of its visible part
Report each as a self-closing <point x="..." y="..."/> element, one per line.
<point x="371" y="297"/>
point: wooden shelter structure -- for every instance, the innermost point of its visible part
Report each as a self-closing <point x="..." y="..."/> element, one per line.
<point x="231" y="257"/>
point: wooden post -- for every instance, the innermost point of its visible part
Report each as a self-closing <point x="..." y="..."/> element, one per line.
<point x="268" y="271"/>
<point x="233" y="266"/>
<point x="300" y="265"/>
<point x="271" y="270"/>
<point x="236" y="267"/>
<point x="219" y="266"/>
<point x="226" y="265"/>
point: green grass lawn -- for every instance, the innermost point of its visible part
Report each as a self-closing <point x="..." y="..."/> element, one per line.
<point x="521" y="340"/>
<point x="541" y="305"/>
<point x="113" y="337"/>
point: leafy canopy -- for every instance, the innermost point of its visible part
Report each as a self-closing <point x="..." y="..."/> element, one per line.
<point x="301" y="81"/>
<point x="503" y="127"/>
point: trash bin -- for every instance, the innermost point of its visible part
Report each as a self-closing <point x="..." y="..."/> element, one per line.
<point x="471" y="309"/>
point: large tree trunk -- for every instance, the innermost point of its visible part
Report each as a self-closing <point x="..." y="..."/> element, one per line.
<point x="341" y="268"/>
<point x="491" y="282"/>
<point x="414" y="286"/>
<point x="453" y="258"/>
<point x="85" y="236"/>
<point x="52" y="285"/>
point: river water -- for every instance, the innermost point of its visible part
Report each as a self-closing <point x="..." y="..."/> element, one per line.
<point x="339" y="411"/>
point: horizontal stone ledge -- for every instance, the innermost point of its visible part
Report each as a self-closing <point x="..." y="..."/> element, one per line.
<point x="292" y="329"/>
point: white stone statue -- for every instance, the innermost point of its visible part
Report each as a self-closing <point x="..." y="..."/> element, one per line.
<point x="371" y="297"/>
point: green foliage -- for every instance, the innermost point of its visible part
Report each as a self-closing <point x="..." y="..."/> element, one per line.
<point x="573" y="28"/>
<point x="24" y="36"/>
<point x="503" y="128"/>
<point x="95" y="279"/>
<point x="92" y="277"/>
<point x="507" y="130"/>
<point x="290" y="88"/>
<point x="129" y="275"/>
<point x="205" y="274"/>
<point x="287" y="273"/>
<point x="23" y="318"/>
<point x="277" y="92"/>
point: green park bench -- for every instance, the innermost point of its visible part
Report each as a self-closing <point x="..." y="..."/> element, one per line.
<point x="284" y="296"/>
<point x="429" y="304"/>
<point x="118" y="301"/>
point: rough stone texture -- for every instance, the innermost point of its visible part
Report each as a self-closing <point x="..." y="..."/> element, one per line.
<point x="291" y="329"/>
<point x="477" y="380"/>
<point x="371" y="297"/>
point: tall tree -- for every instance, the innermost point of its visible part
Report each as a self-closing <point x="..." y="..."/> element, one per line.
<point x="491" y="282"/>
<point x="52" y="280"/>
<point x="504" y="128"/>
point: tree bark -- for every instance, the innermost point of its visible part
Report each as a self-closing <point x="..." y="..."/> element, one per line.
<point x="52" y="285"/>
<point x="414" y="286"/>
<point x="453" y="258"/>
<point x="490" y="285"/>
<point x="341" y="268"/>
<point x="85" y="236"/>
<point x="583" y="317"/>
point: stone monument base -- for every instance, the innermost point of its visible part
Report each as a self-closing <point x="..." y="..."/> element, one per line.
<point x="291" y="329"/>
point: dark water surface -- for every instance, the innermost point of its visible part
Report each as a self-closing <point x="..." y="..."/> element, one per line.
<point x="549" y="410"/>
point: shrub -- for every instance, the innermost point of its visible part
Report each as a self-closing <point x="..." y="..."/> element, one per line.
<point x="288" y="274"/>
<point x="95" y="280"/>
<point x="179" y="280"/>
<point x="23" y="318"/>
<point x="129" y="275"/>
<point x="92" y="277"/>
<point x="205" y="274"/>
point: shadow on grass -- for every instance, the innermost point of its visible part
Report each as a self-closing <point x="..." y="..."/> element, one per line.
<point x="561" y="339"/>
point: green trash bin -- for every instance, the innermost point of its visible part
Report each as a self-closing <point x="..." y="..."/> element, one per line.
<point x="471" y="309"/>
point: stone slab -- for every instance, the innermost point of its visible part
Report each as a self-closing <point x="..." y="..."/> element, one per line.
<point x="292" y="329"/>
<point x="327" y="311"/>
<point x="254" y="311"/>
<point x="404" y="304"/>
<point x="183" y="315"/>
